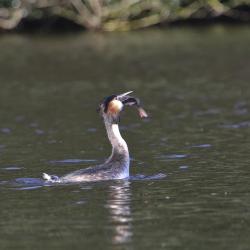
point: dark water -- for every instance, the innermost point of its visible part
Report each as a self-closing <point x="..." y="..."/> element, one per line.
<point x="195" y="83"/>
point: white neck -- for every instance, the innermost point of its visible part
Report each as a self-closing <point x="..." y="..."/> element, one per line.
<point x="119" y="146"/>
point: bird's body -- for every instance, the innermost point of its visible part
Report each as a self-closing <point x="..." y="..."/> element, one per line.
<point x="117" y="165"/>
<point x="109" y="171"/>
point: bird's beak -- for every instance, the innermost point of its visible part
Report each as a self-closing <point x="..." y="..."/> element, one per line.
<point x="122" y="96"/>
<point x="132" y="101"/>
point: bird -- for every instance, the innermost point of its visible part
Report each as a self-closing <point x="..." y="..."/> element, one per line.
<point x="117" y="164"/>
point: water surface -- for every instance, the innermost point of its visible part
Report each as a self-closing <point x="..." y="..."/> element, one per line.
<point x="195" y="85"/>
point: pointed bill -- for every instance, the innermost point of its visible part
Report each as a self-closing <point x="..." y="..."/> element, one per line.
<point x="125" y="94"/>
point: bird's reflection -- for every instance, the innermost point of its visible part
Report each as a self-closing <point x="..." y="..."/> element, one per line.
<point x="118" y="204"/>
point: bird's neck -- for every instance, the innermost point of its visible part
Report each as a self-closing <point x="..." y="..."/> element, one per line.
<point x="119" y="146"/>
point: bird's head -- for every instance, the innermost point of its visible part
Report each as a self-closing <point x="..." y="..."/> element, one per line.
<point x="111" y="107"/>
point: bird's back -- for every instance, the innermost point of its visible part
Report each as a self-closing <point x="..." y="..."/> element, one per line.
<point x="107" y="171"/>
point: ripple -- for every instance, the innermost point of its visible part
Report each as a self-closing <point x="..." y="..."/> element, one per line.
<point x="71" y="161"/>
<point x="212" y="111"/>
<point x="39" y="131"/>
<point x="29" y="188"/>
<point x="170" y="157"/>
<point x="6" y="130"/>
<point x="244" y="124"/>
<point x="158" y="176"/>
<point x="11" y="168"/>
<point x="93" y="130"/>
<point x="19" y="118"/>
<point x="29" y="181"/>
<point x="240" y="108"/>
<point x="84" y="187"/>
<point x="33" y="125"/>
<point x="25" y="183"/>
<point x="52" y="141"/>
<point x="201" y="146"/>
<point x="241" y="111"/>
<point x="183" y="167"/>
<point x="3" y="182"/>
<point x="81" y="202"/>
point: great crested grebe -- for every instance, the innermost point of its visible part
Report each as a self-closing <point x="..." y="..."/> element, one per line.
<point x="117" y="165"/>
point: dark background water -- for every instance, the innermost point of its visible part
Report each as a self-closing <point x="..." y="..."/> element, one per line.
<point x="195" y="85"/>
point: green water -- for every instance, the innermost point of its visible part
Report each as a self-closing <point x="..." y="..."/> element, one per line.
<point x="194" y="83"/>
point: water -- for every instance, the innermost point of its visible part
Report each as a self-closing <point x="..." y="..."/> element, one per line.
<point x="194" y="83"/>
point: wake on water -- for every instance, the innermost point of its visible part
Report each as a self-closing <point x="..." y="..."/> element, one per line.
<point x="52" y="180"/>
